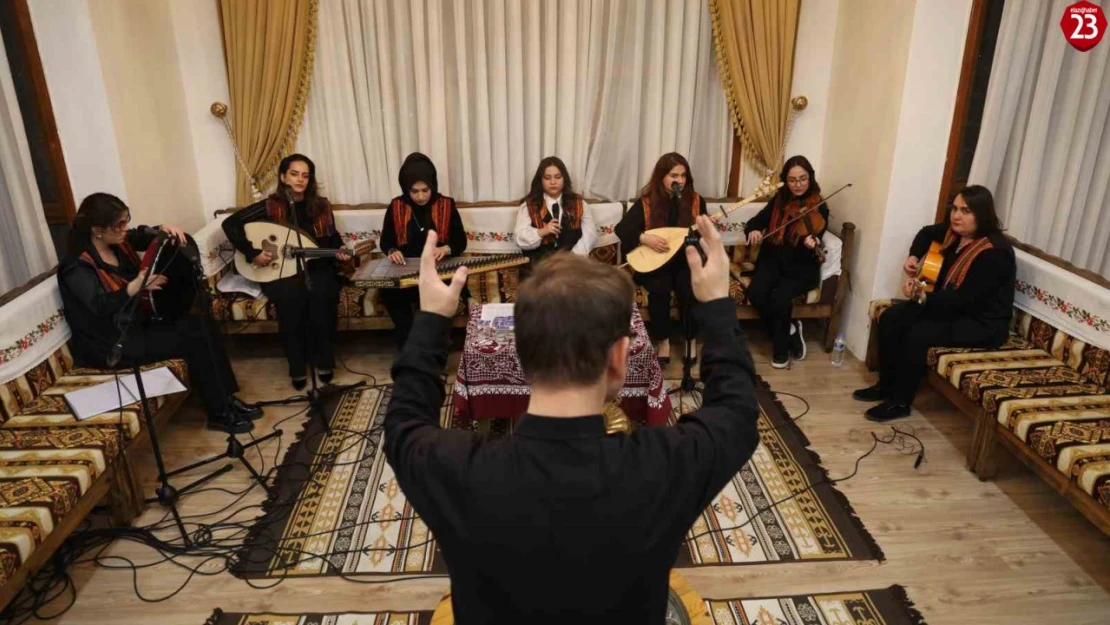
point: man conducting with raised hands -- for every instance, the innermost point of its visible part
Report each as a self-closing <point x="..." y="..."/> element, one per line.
<point x="562" y="523"/>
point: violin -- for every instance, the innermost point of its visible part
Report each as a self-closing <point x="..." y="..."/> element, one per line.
<point x="812" y="222"/>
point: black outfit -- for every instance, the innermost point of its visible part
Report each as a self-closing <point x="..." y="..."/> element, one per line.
<point x="307" y="318"/>
<point x="96" y="315"/>
<point x="562" y="523"/>
<point x="401" y="304"/>
<point x="977" y="314"/>
<point x="568" y="237"/>
<point x="782" y="272"/>
<point x="673" y="277"/>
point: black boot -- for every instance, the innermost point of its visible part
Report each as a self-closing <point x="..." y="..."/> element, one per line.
<point x="888" y="411"/>
<point x="871" y="394"/>
<point x="245" y="410"/>
<point x="231" y="423"/>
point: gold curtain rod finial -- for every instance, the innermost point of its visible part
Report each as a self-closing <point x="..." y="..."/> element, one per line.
<point x="218" y="109"/>
<point x="800" y="103"/>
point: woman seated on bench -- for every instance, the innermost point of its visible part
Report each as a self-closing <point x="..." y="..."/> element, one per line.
<point x="100" y="281"/>
<point x="970" y="306"/>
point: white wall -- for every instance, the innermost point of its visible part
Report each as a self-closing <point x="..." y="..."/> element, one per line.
<point x="921" y="147"/>
<point x="105" y="145"/>
<point x="813" y="58"/>
<point x="893" y="93"/>
<point x="196" y="27"/>
<point x="71" y="63"/>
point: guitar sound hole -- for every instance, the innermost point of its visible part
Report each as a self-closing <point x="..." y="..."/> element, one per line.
<point x="273" y="237"/>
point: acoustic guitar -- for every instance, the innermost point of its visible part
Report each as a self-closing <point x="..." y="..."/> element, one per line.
<point x="928" y="271"/>
<point x="285" y="246"/>
<point x="643" y="259"/>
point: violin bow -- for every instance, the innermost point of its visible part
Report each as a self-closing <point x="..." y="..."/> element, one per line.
<point x="808" y="210"/>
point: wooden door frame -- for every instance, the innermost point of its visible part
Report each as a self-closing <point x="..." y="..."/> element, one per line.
<point x="25" y="39"/>
<point x="963" y="100"/>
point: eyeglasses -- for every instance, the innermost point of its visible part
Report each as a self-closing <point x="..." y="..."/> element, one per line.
<point x="802" y="180"/>
<point x="121" y="224"/>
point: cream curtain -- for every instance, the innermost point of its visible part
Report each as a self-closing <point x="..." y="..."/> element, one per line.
<point x="487" y="88"/>
<point x="269" y="45"/>
<point x="755" y="52"/>
<point x="1044" y="144"/>
<point x="26" y="248"/>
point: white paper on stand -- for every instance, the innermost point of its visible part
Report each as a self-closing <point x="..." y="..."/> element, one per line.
<point x="235" y="283"/>
<point x="491" y="312"/>
<point x="109" y="396"/>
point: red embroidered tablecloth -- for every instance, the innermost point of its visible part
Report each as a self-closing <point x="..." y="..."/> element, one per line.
<point x="490" y="383"/>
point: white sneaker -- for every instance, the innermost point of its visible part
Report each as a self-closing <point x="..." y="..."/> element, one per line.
<point x="797" y="342"/>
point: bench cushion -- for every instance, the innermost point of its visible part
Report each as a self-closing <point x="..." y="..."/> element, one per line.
<point x="1070" y="433"/>
<point x="1046" y="387"/>
<point x="48" y="459"/>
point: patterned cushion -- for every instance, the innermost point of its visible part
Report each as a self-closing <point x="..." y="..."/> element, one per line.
<point x="48" y="459"/>
<point x="43" y="473"/>
<point x="1091" y="361"/>
<point x="878" y="307"/>
<point x="1070" y="433"/>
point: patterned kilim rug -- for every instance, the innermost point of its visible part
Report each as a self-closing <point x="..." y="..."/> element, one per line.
<point x="887" y="606"/>
<point x="338" y="510"/>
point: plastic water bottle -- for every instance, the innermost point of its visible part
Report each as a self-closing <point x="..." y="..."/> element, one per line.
<point x="838" y="351"/>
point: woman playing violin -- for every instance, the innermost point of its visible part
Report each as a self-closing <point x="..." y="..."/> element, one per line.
<point x="788" y="264"/>
<point x="970" y="306"/>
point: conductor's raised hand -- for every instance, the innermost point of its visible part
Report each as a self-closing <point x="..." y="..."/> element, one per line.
<point x="709" y="281"/>
<point x="435" y="296"/>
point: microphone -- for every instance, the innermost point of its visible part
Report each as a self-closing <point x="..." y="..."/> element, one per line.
<point x="289" y="195"/>
<point x="676" y="191"/>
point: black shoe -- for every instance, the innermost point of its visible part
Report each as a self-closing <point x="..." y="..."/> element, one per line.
<point x="797" y="342"/>
<point x="780" y="361"/>
<point x="326" y="378"/>
<point x="230" y="423"/>
<point x="871" y="393"/>
<point x="888" y="411"/>
<point x="245" y="410"/>
<point x="299" y="383"/>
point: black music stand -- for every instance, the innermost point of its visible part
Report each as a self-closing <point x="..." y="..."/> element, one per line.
<point x="315" y="396"/>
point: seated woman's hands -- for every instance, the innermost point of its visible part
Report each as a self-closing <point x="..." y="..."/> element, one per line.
<point x="755" y="237"/>
<point x="175" y="232"/>
<point x="654" y="242"/>
<point x="811" y="242"/>
<point x="155" y="283"/>
<point x="911" y="266"/>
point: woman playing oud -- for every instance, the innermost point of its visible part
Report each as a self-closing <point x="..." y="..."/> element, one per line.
<point x="306" y="316"/>
<point x="668" y="200"/>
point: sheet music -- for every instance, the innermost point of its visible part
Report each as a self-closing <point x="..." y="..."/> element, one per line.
<point x="235" y="283"/>
<point x="109" y="396"/>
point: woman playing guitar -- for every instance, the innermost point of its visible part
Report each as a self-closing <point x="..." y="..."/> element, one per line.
<point x="789" y="261"/>
<point x="306" y="317"/>
<point x="100" y="282"/>
<point x="970" y="305"/>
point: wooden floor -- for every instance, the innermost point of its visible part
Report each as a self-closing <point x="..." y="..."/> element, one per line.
<point x="1009" y="551"/>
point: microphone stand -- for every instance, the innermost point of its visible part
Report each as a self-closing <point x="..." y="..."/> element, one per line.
<point x="165" y="494"/>
<point x="688" y="385"/>
<point x="315" y="397"/>
<point x="235" y="449"/>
